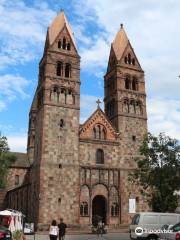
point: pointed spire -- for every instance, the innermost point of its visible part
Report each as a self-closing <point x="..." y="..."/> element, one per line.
<point x="57" y="25"/>
<point x="120" y="42"/>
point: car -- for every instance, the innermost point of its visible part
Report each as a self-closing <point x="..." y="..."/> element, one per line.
<point x="172" y="234"/>
<point x="5" y="234"/>
<point x="164" y="230"/>
<point x="147" y="225"/>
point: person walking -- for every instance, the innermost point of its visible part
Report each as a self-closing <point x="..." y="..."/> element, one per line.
<point x="53" y="230"/>
<point x="62" y="229"/>
<point x="100" y="228"/>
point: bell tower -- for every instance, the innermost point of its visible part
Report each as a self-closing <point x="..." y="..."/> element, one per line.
<point x="55" y="173"/>
<point x="125" y="97"/>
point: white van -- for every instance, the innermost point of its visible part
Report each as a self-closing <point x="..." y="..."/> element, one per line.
<point x="147" y="225"/>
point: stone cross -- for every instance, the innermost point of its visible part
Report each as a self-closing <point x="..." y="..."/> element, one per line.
<point x="98" y="103"/>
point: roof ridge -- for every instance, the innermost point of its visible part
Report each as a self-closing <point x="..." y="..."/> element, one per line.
<point x="56" y="27"/>
<point x="120" y="42"/>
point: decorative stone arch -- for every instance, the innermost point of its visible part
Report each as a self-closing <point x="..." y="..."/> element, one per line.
<point x="132" y="103"/>
<point x="125" y="105"/>
<point x="100" y="189"/>
<point x="70" y="96"/>
<point x="54" y="93"/>
<point x="100" y="201"/>
<point x="139" y="107"/>
<point x="62" y="96"/>
<point x="99" y="131"/>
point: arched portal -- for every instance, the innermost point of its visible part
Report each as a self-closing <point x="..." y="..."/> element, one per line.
<point x="99" y="207"/>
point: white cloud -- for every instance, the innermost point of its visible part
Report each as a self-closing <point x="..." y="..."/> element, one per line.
<point x="88" y="106"/>
<point x="93" y="57"/>
<point x="164" y="116"/>
<point x="17" y="143"/>
<point x="12" y="86"/>
<point x="155" y="39"/>
<point x="154" y="36"/>
<point x="79" y="31"/>
<point x="23" y="30"/>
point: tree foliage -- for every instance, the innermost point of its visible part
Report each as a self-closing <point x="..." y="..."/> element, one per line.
<point x="6" y="160"/>
<point x="158" y="171"/>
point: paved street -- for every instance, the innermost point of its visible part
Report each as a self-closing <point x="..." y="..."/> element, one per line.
<point x="110" y="236"/>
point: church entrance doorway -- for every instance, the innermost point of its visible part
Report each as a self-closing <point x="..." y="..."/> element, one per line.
<point x="99" y="207"/>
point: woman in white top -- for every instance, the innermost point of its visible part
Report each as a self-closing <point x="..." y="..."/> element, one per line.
<point x="53" y="230"/>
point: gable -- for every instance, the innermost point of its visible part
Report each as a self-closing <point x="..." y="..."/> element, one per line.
<point x="64" y="35"/>
<point x="129" y="58"/>
<point x="98" y="121"/>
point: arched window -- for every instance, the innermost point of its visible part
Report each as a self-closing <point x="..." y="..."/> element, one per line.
<point x="99" y="132"/>
<point x="54" y="94"/>
<point x="68" y="70"/>
<point x="132" y="106"/>
<point x="84" y="209"/>
<point x="129" y="58"/>
<point x="126" y="106"/>
<point x="99" y="156"/>
<point x="64" y="43"/>
<point x="134" y="84"/>
<point x="68" y="46"/>
<point x="55" y="89"/>
<point x="127" y="82"/>
<point x="61" y="123"/>
<point x="138" y="108"/>
<point x="114" y="209"/>
<point x="59" y="69"/>
<point x="59" y="44"/>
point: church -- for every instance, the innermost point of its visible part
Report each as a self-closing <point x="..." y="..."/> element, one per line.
<point x="76" y="171"/>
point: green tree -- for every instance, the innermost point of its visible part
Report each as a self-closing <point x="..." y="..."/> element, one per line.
<point x="158" y="171"/>
<point x="6" y="160"/>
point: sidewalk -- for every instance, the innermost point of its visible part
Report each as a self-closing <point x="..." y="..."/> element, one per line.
<point x="87" y="231"/>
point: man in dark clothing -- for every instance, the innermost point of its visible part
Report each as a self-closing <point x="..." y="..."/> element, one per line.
<point x="62" y="229"/>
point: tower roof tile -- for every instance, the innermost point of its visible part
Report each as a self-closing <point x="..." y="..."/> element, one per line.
<point x="120" y="42"/>
<point x="56" y="27"/>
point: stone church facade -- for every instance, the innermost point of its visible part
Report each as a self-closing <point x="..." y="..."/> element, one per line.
<point x="78" y="170"/>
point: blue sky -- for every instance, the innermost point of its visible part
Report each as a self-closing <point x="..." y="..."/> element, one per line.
<point x="152" y="27"/>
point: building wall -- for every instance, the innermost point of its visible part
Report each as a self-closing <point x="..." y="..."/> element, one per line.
<point x="63" y="170"/>
<point x="59" y="170"/>
<point x="15" y="173"/>
<point x="88" y="148"/>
